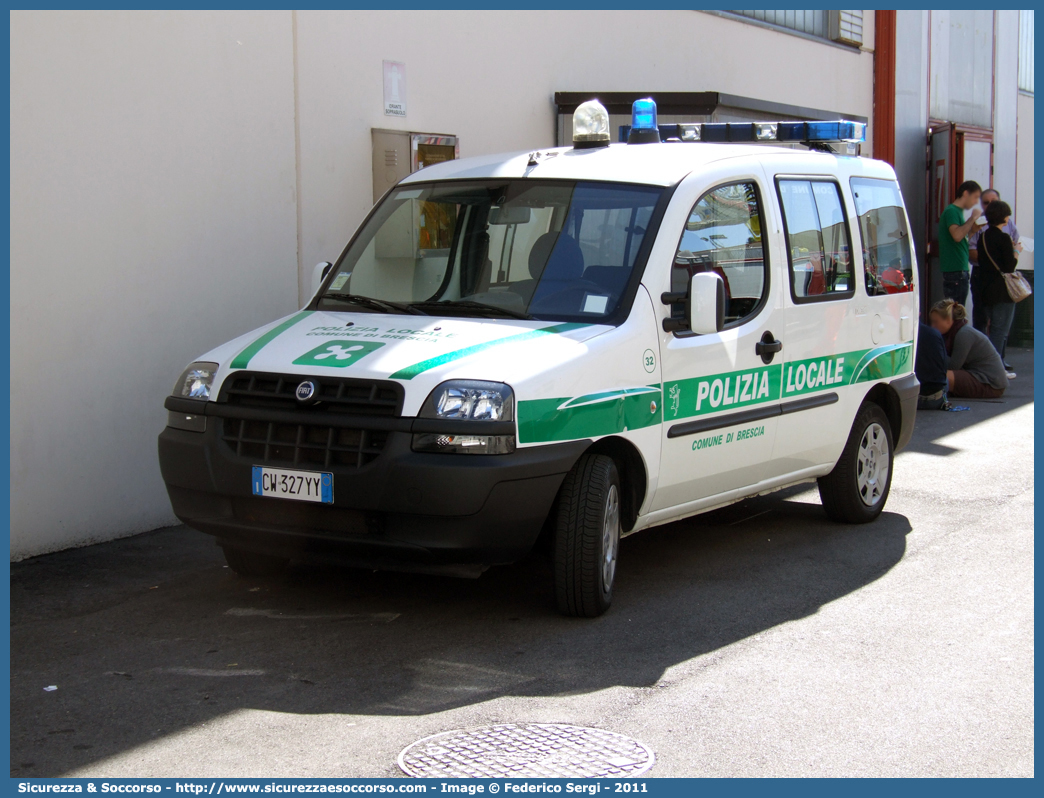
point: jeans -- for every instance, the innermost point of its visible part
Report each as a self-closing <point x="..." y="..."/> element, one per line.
<point x="1000" y="317"/>
<point x="930" y="361"/>
<point x="955" y="286"/>
<point x="978" y="308"/>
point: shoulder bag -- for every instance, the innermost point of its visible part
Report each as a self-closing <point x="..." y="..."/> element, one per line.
<point x="1017" y="285"/>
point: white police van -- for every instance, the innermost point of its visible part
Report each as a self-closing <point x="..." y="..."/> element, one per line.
<point x="583" y="341"/>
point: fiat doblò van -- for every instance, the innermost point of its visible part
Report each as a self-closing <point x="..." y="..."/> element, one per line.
<point x="584" y="341"/>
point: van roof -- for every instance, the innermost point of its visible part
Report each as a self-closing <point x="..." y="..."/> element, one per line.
<point x="653" y="164"/>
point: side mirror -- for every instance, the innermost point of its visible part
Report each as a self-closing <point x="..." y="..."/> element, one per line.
<point x="706" y="303"/>
<point x="319" y="274"/>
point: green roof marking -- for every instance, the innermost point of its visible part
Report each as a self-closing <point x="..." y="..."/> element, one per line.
<point x="243" y="358"/>
<point x="410" y="372"/>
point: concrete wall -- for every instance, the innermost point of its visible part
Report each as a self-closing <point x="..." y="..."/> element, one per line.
<point x="1024" y="183"/>
<point x="176" y="175"/>
<point x="1005" y="102"/>
<point x="153" y="216"/>
<point x="911" y="116"/>
<point x="961" y="69"/>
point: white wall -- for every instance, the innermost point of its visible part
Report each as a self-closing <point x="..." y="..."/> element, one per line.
<point x="911" y="116"/>
<point x="489" y="77"/>
<point x="1005" y="102"/>
<point x="1024" y="174"/>
<point x="153" y="216"/>
<point x="155" y="177"/>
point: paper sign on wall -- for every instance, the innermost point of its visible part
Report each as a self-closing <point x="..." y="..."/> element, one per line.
<point x="394" y="88"/>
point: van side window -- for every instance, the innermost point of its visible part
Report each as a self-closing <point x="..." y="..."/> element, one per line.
<point x="723" y="235"/>
<point x="887" y="253"/>
<point x="817" y="240"/>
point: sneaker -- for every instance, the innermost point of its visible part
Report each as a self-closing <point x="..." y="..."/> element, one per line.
<point x="1008" y="366"/>
<point x="932" y="401"/>
<point x="1011" y="375"/>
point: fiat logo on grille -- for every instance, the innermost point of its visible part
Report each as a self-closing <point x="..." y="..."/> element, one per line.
<point x="305" y="391"/>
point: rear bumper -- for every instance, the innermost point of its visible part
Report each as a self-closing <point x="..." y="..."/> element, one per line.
<point x="404" y="507"/>
<point x="907" y="388"/>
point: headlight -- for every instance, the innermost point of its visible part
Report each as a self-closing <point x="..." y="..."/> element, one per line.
<point x="196" y="381"/>
<point x="471" y="401"/>
<point x="476" y="401"/>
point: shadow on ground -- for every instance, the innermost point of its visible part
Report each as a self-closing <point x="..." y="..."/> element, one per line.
<point x="151" y="635"/>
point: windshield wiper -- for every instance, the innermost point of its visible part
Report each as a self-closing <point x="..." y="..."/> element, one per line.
<point x="382" y="305"/>
<point x="470" y="305"/>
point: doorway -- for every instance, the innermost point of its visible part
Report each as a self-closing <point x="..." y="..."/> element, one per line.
<point x="956" y="153"/>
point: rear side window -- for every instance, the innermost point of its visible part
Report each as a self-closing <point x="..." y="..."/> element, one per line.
<point x="818" y="245"/>
<point x="885" y="238"/>
<point x="723" y="235"/>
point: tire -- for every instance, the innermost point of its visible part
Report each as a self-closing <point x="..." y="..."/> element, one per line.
<point x="587" y="537"/>
<point x="856" y="491"/>
<point x="251" y="563"/>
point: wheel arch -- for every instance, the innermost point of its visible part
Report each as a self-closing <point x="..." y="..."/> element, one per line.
<point x="887" y="398"/>
<point x="634" y="476"/>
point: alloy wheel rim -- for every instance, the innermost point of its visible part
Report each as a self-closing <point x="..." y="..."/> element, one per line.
<point x="872" y="465"/>
<point x="610" y="537"/>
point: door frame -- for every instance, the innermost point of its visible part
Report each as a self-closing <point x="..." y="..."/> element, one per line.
<point x="959" y="133"/>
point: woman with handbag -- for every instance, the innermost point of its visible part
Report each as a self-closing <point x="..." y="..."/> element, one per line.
<point x="997" y="256"/>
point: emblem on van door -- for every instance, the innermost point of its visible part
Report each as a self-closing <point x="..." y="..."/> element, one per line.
<point x="305" y="391"/>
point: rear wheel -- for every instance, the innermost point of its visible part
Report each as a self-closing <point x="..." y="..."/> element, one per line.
<point x="252" y="563"/>
<point x="856" y="490"/>
<point x="587" y="537"/>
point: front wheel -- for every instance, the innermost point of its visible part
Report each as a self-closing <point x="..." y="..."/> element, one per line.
<point x="856" y="490"/>
<point x="587" y="537"/>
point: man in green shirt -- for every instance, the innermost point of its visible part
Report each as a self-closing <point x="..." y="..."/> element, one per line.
<point x="953" y="240"/>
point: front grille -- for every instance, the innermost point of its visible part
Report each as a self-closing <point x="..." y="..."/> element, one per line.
<point x="270" y="442"/>
<point x="308" y="443"/>
<point x="335" y="395"/>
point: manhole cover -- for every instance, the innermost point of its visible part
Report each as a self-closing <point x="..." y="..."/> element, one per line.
<point x="526" y="750"/>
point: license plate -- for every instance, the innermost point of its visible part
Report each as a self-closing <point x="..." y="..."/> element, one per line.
<point x="282" y="483"/>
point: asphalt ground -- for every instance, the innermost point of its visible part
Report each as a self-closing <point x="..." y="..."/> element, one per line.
<point x="759" y="640"/>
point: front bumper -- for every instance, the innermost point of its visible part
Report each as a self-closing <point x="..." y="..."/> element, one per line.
<point x="403" y="507"/>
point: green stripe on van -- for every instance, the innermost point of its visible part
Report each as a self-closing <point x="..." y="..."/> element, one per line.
<point x="242" y="360"/>
<point x="410" y="372"/>
<point x="565" y="419"/>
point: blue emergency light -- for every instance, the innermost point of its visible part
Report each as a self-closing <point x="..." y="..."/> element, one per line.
<point x="821" y="131"/>
<point x="644" y="129"/>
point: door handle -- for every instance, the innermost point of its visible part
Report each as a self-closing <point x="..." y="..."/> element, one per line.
<point x="767" y="347"/>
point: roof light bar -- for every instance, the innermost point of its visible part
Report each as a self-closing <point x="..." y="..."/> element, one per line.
<point x="765" y="131"/>
<point x="799" y="132"/>
<point x="822" y="131"/>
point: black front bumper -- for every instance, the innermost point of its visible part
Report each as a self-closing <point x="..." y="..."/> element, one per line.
<point x="403" y="507"/>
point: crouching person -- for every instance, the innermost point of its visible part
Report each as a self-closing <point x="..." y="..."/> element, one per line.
<point x="974" y="370"/>
<point x="930" y="368"/>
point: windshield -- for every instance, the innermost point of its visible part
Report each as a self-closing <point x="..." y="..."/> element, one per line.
<point x="521" y="248"/>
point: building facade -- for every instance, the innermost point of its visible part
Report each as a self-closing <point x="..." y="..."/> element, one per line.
<point x="954" y="102"/>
